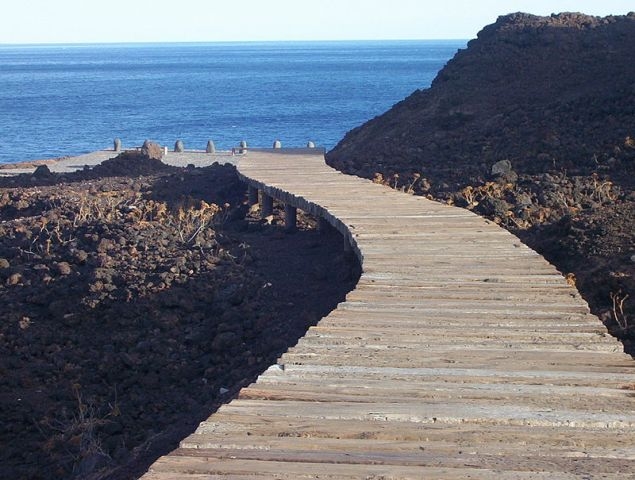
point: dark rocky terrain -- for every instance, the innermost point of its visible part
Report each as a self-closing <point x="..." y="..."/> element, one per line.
<point x="533" y="125"/>
<point x="135" y="298"/>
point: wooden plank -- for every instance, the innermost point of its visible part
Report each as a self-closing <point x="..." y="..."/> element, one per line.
<point x="178" y="466"/>
<point x="617" y="374"/>
<point x="543" y="397"/>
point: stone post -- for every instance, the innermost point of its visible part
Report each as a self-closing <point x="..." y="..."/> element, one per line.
<point x="267" y="205"/>
<point x="178" y="146"/>
<point x="211" y="148"/>
<point x="290" y="217"/>
<point x="117" y="145"/>
<point x="252" y="195"/>
<point x="277" y="144"/>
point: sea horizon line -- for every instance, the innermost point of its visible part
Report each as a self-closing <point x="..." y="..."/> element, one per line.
<point x="226" y="42"/>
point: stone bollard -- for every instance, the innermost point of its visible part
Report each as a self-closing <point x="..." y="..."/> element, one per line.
<point x="117" y="145"/>
<point x="277" y="144"/>
<point x="211" y="148"/>
<point x="310" y="145"/>
<point x="243" y="146"/>
<point x="178" y="146"/>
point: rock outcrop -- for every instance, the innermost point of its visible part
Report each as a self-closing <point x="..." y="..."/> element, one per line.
<point x="544" y="92"/>
<point x="152" y="150"/>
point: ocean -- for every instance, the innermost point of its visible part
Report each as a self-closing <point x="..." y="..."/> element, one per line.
<point x="60" y="100"/>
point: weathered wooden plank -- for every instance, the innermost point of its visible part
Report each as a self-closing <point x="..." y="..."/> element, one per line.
<point x="306" y="386"/>
<point x="595" y="442"/>
<point x="446" y="412"/>
<point x="571" y="398"/>
<point x="499" y="359"/>
<point x="177" y="466"/>
<point x="284" y="450"/>
<point x="620" y="376"/>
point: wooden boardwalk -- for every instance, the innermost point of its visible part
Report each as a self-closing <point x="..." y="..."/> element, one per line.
<point x="461" y="354"/>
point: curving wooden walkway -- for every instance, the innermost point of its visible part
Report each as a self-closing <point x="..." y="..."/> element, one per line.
<point x="461" y="354"/>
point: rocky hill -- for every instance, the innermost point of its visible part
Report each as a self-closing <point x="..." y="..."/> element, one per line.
<point x="532" y="125"/>
<point x="135" y="299"/>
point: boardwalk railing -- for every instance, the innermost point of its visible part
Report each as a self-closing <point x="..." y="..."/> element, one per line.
<point x="461" y="354"/>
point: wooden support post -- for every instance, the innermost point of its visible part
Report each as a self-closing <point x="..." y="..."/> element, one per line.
<point x="252" y="194"/>
<point x="348" y="248"/>
<point x="267" y="205"/>
<point x="323" y="226"/>
<point x="290" y="217"/>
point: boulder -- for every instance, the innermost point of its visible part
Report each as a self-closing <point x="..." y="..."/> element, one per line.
<point x="151" y="150"/>
<point x="63" y="268"/>
<point x="42" y="171"/>
<point x="502" y="171"/>
<point x="502" y="167"/>
<point x="494" y="207"/>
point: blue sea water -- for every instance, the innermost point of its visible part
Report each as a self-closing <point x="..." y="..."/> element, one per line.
<point x="68" y="99"/>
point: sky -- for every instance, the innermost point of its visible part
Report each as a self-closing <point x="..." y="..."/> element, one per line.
<point x="106" y="21"/>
